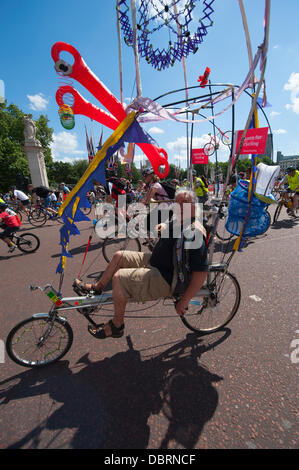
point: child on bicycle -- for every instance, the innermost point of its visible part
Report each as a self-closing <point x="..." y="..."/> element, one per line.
<point x="11" y="223"/>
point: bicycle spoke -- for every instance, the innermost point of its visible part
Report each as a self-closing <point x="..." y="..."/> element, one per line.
<point x="36" y="342"/>
<point x="210" y="313"/>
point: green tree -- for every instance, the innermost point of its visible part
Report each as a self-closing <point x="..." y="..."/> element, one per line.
<point x="13" y="161"/>
<point x="136" y="174"/>
<point x="59" y="172"/>
<point x="78" y="169"/>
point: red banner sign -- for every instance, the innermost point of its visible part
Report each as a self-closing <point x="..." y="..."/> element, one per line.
<point x="198" y="157"/>
<point x="254" y="143"/>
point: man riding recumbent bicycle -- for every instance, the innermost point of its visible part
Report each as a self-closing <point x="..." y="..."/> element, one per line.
<point x="206" y="297"/>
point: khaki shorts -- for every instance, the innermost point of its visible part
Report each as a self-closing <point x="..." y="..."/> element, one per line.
<point x="139" y="280"/>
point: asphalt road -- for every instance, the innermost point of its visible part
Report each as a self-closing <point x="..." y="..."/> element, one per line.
<point x="159" y="386"/>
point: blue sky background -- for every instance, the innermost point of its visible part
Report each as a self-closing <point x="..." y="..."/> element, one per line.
<point x="29" y="28"/>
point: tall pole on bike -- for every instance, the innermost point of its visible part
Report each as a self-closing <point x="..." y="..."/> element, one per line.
<point x="214" y="132"/>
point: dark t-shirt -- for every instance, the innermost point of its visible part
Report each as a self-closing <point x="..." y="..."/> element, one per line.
<point x="162" y="256"/>
<point x="41" y="191"/>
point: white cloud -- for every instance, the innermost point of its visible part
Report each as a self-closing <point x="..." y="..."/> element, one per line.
<point x="155" y="130"/>
<point x="179" y="146"/>
<point x="67" y="159"/>
<point x="274" y="113"/>
<point x="280" y="131"/>
<point x="293" y="86"/>
<point x="66" y="143"/>
<point x="37" y="102"/>
<point x="276" y="46"/>
<point x="197" y="142"/>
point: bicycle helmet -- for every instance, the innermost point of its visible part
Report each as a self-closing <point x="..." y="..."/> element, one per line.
<point x="147" y="171"/>
<point x="290" y="169"/>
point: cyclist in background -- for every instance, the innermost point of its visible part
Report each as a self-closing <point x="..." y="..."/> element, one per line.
<point x="201" y="190"/>
<point x="65" y="191"/>
<point x="292" y="177"/>
<point x="44" y="193"/>
<point x="11" y="223"/>
<point x="24" y="200"/>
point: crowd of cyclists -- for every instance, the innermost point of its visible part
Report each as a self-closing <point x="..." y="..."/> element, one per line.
<point x="147" y="190"/>
<point x="26" y="200"/>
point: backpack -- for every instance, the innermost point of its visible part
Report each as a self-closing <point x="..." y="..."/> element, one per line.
<point x="42" y="191"/>
<point x="169" y="188"/>
<point x="19" y="220"/>
<point x="204" y="180"/>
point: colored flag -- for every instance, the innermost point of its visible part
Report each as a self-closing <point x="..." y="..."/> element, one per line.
<point x="128" y="131"/>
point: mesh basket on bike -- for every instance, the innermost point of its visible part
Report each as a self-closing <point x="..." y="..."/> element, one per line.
<point x="237" y="211"/>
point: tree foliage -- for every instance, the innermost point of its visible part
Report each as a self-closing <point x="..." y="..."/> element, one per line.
<point x="13" y="161"/>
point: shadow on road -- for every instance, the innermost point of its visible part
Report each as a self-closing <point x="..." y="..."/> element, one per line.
<point x="285" y="223"/>
<point x="107" y="403"/>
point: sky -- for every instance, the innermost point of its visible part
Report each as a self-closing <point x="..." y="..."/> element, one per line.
<point x="29" y="28"/>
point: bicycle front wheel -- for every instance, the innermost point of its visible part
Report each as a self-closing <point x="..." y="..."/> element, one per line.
<point x="28" y="243"/>
<point x="212" y="312"/>
<point x="226" y="138"/>
<point x="39" y="341"/>
<point x="37" y="218"/>
<point x="112" y="245"/>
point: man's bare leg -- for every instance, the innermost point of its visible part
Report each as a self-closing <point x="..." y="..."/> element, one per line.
<point x="120" y="302"/>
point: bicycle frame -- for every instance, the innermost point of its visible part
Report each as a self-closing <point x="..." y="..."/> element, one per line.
<point x="62" y="304"/>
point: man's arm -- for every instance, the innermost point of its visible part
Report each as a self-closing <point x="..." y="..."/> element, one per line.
<point x="196" y="282"/>
<point x="283" y="180"/>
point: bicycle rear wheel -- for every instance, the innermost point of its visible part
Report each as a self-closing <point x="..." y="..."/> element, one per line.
<point x="209" y="149"/>
<point x="27" y="242"/>
<point x="39" y="341"/>
<point x="112" y="245"/>
<point x="37" y="218"/>
<point x="212" y="312"/>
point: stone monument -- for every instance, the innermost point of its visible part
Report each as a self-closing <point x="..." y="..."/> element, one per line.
<point x="34" y="153"/>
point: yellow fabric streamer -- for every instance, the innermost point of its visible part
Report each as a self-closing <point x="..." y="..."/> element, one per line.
<point x="112" y="140"/>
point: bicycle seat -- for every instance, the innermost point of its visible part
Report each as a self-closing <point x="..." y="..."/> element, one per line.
<point x="217" y="267"/>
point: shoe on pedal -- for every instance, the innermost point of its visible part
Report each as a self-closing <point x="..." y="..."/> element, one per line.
<point x="12" y="248"/>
